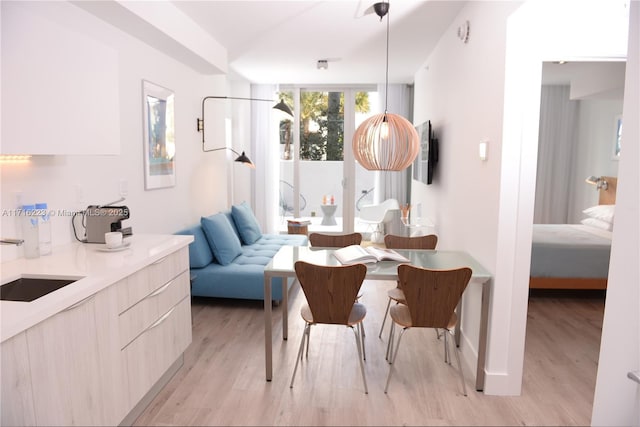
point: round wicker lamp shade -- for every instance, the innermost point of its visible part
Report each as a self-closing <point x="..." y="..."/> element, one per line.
<point x="386" y="142"/>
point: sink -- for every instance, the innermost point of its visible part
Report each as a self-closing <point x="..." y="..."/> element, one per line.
<point x="28" y="289"/>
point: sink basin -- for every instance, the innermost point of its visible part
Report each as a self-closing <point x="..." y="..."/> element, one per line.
<point x="31" y="288"/>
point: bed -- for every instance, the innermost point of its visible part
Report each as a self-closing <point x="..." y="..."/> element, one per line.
<point x="574" y="256"/>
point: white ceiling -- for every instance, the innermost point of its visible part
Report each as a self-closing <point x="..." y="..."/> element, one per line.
<point x="281" y="41"/>
<point x="602" y="79"/>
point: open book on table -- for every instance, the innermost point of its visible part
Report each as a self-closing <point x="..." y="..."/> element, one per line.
<point x="356" y="254"/>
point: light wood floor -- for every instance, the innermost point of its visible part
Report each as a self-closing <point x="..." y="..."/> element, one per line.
<point x="222" y="380"/>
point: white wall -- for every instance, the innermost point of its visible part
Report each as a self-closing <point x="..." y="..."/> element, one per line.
<point x="460" y="89"/>
<point x="596" y="138"/>
<point x="73" y="182"/>
<point x="567" y="35"/>
<point x="617" y="399"/>
<point x="489" y="89"/>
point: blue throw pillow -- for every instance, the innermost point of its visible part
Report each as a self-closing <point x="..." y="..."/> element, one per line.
<point x="200" y="254"/>
<point x="223" y="240"/>
<point x="246" y="223"/>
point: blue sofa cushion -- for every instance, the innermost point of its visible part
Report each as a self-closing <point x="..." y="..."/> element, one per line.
<point x="221" y="237"/>
<point x="246" y="223"/>
<point x="200" y="254"/>
<point x="244" y="277"/>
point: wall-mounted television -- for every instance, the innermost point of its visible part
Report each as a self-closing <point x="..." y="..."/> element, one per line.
<point x="425" y="163"/>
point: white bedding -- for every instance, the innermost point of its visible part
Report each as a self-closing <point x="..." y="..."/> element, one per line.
<point x="570" y="250"/>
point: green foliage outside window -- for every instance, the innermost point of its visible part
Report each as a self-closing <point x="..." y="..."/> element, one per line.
<point x="321" y="123"/>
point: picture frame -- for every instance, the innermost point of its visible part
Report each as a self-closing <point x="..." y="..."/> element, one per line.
<point x="159" y="145"/>
<point x="617" y="138"/>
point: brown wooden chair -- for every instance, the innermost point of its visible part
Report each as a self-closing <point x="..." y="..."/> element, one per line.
<point x="331" y="299"/>
<point x="334" y="240"/>
<point x="400" y="242"/>
<point x="431" y="297"/>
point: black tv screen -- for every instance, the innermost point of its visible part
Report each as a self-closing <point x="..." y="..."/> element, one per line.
<point x="432" y="158"/>
<point x="427" y="159"/>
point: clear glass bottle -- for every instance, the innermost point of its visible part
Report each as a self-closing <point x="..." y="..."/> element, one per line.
<point x="30" y="232"/>
<point x="44" y="226"/>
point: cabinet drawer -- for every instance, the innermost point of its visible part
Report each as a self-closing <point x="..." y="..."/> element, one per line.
<point x="140" y="284"/>
<point x="16" y="392"/>
<point x="149" y="356"/>
<point x="137" y="318"/>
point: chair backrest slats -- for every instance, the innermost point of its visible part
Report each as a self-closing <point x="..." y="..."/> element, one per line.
<point x="400" y="242"/>
<point x="432" y="295"/>
<point x="334" y="240"/>
<point x="331" y="291"/>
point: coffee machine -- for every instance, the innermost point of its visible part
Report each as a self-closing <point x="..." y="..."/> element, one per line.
<point x="103" y="219"/>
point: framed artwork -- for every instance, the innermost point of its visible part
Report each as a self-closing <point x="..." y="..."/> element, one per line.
<point x="617" y="139"/>
<point x="159" y="136"/>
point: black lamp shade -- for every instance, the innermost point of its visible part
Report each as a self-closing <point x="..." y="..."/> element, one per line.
<point x="242" y="158"/>
<point x="283" y="107"/>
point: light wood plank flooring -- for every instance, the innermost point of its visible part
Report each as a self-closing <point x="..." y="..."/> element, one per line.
<point x="222" y="380"/>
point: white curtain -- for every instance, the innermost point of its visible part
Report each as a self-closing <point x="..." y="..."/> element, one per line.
<point x="264" y="149"/>
<point x="557" y="142"/>
<point x="394" y="185"/>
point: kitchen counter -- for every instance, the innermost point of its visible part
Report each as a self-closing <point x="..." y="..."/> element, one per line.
<point x="96" y="269"/>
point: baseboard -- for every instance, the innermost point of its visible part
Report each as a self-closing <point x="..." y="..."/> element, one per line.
<point x="133" y="415"/>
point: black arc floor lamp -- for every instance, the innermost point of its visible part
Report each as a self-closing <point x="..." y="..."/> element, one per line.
<point x="242" y="158"/>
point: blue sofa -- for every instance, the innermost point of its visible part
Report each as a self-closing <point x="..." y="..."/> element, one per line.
<point x="229" y="253"/>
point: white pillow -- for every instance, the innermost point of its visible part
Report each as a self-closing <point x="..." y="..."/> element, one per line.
<point x="597" y="223"/>
<point x="601" y="212"/>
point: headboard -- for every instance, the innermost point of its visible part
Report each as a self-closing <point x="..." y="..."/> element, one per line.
<point x="608" y="196"/>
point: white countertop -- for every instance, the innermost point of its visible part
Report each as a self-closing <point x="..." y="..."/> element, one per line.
<point x="97" y="269"/>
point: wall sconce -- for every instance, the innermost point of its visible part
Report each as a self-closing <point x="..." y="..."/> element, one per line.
<point x="598" y="181"/>
<point x="242" y="158"/>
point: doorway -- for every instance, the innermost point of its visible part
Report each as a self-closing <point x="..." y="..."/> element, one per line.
<point x="577" y="139"/>
<point x="318" y="175"/>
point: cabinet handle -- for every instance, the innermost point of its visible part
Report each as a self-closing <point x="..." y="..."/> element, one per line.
<point x="161" y="260"/>
<point x="162" y="289"/>
<point x="79" y="303"/>
<point x="634" y="376"/>
<point x="162" y="319"/>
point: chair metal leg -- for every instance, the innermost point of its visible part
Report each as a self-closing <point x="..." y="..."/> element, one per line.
<point x="389" y="342"/>
<point x="362" y="335"/>
<point x="447" y="356"/>
<point x="359" y="346"/>
<point x="299" y="356"/>
<point x="455" y="351"/>
<point x="386" y="387"/>
<point x="308" y="334"/>
<point x="384" y="319"/>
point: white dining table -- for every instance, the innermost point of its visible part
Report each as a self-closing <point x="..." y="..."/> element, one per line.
<point x="282" y="265"/>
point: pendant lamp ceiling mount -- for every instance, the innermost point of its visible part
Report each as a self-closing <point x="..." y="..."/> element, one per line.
<point x="381" y="9"/>
<point x="385" y="142"/>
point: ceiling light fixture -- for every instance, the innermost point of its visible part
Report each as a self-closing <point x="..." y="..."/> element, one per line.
<point x="386" y="142"/>
<point x="323" y="64"/>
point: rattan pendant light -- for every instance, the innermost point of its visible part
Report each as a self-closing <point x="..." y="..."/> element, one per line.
<point x="385" y="142"/>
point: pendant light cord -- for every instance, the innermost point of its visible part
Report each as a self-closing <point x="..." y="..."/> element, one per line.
<point x="386" y="81"/>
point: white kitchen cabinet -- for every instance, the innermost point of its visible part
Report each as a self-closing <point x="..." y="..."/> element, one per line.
<point x="148" y="357"/>
<point x="17" y="398"/>
<point x="74" y="364"/>
<point x="60" y="88"/>
<point x="100" y="360"/>
<point x="154" y="322"/>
